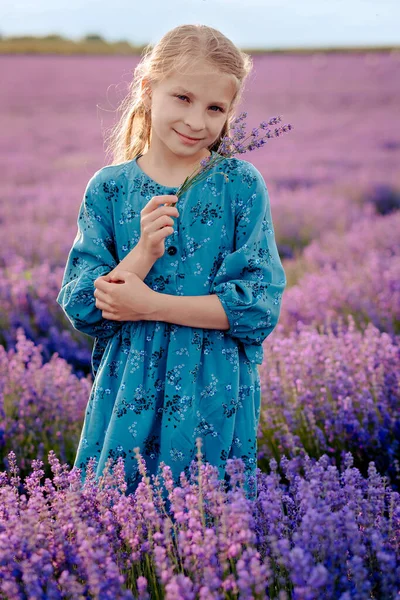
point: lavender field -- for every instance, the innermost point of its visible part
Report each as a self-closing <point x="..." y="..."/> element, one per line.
<point x="326" y="522"/>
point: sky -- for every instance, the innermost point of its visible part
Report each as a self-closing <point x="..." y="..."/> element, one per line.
<point x="269" y="24"/>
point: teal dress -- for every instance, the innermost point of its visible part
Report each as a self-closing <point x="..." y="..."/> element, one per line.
<point x="158" y="385"/>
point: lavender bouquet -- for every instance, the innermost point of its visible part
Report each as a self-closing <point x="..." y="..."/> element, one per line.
<point x="230" y="146"/>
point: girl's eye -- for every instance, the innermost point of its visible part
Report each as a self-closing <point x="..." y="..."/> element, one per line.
<point x="215" y="106"/>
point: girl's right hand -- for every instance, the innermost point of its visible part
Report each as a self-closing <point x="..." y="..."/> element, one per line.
<point x="156" y="224"/>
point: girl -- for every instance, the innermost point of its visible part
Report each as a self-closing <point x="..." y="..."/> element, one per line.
<point x="178" y="340"/>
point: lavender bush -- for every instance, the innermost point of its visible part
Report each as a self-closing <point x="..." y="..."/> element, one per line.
<point x="376" y="235"/>
<point x="315" y="533"/>
<point x="373" y="234"/>
<point x="355" y="274"/>
<point x="28" y="301"/>
<point x="368" y="291"/>
<point x="330" y="393"/>
<point x="41" y="405"/>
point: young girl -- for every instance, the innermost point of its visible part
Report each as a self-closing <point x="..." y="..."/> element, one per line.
<point x="179" y="299"/>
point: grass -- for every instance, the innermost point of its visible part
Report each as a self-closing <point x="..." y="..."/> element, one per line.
<point x="94" y="44"/>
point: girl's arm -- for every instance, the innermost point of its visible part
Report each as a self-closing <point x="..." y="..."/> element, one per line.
<point x="206" y="312"/>
<point x="136" y="262"/>
<point x="251" y="280"/>
<point x="92" y="255"/>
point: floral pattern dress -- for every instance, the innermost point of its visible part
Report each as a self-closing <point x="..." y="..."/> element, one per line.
<point x="158" y="385"/>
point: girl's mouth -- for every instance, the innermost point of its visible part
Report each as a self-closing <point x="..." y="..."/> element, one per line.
<point x="186" y="139"/>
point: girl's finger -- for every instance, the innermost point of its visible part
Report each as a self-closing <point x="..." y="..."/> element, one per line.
<point x="109" y="315"/>
<point x="101" y="305"/>
<point x="100" y="295"/>
<point x="101" y="302"/>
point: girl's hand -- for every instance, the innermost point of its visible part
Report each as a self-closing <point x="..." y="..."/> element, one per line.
<point x="131" y="300"/>
<point x="156" y="224"/>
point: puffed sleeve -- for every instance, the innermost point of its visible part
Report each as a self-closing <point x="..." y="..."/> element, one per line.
<point x="92" y="255"/>
<point x="250" y="280"/>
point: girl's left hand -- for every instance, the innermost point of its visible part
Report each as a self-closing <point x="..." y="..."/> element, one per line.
<point x="124" y="297"/>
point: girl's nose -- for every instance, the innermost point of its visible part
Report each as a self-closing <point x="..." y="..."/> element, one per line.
<point x="195" y="123"/>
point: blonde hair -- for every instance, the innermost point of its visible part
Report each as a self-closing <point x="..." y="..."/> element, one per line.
<point x="177" y="49"/>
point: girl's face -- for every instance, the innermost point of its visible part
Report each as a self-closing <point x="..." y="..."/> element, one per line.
<point x="194" y="104"/>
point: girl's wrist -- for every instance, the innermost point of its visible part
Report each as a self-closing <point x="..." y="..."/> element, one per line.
<point x="137" y="262"/>
<point x="155" y="312"/>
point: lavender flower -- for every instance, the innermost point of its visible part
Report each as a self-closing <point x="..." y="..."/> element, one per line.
<point x="41" y="405"/>
<point x="230" y="146"/>
<point x="320" y="533"/>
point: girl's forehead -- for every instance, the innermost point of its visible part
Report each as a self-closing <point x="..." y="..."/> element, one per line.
<point x="188" y="66"/>
<point x="197" y="77"/>
<point x="196" y="73"/>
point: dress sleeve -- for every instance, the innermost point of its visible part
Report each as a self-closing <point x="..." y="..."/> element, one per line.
<point x="250" y="281"/>
<point x="92" y="255"/>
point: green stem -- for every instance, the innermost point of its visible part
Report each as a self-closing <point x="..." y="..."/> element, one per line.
<point x="197" y="179"/>
<point x="191" y="179"/>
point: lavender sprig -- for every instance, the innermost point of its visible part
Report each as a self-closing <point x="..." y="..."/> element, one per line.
<point x="230" y="146"/>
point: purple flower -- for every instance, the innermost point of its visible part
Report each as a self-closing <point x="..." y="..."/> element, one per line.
<point x="229" y="146"/>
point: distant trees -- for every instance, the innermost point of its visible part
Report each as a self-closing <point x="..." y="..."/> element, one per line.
<point x="53" y="37"/>
<point x="54" y="43"/>
<point x="93" y="37"/>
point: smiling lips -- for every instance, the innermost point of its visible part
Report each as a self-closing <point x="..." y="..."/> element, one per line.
<point x="189" y="138"/>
